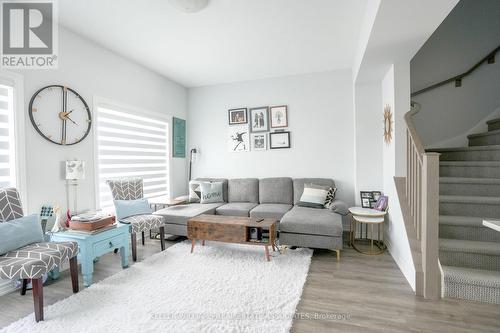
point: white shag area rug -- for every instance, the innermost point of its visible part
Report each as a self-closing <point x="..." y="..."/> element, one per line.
<point x="219" y="288"/>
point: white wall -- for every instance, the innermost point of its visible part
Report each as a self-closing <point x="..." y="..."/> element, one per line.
<point x="396" y="94"/>
<point x="469" y="33"/>
<point x="321" y="122"/>
<point x="369" y="131"/>
<point x="92" y="71"/>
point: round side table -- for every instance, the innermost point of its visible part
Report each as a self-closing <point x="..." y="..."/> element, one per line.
<point x="369" y="217"/>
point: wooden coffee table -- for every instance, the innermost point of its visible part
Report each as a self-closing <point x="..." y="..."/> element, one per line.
<point x="230" y="229"/>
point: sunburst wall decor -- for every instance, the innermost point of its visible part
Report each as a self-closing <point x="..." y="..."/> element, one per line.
<point x="387" y="124"/>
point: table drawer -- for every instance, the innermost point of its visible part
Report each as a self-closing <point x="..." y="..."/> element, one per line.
<point x="107" y="245"/>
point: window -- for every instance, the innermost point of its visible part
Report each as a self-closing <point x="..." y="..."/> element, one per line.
<point x="131" y="144"/>
<point x="7" y="137"/>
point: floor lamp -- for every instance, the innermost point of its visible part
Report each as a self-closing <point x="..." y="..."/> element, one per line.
<point x="192" y="159"/>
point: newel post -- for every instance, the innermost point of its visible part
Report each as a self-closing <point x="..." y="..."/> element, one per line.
<point x="430" y="226"/>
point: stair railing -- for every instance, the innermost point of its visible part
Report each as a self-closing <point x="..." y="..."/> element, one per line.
<point x="422" y="197"/>
<point x="489" y="59"/>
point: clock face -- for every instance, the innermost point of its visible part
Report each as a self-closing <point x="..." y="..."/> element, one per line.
<point x="60" y="115"/>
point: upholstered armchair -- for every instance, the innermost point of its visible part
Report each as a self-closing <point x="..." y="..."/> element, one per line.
<point x="32" y="261"/>
<point x="132" y="189"/>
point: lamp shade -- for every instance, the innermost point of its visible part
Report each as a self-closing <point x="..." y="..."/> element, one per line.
<point x="75" y="170"/>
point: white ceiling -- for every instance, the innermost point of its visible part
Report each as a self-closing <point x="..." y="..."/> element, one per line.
<point x="399" y="31"/>
<point x="229" y="41"/>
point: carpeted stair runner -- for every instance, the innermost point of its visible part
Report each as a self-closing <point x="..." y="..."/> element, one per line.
<point x="469" y="193"/>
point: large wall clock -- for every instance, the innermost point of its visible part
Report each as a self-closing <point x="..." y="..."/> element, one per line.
<point x="60" y="115"/>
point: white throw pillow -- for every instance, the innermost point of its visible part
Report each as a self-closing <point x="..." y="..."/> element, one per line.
<point x="211" y="192"/>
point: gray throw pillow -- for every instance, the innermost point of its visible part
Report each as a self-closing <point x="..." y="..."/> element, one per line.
<point x="313" y="196"/>
<point x="211" y="192"/>
<point x="339" y="207"/>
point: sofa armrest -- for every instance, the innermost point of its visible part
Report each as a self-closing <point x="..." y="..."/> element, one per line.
<point x="339" y="207"/>
<point x="183" y="198"/>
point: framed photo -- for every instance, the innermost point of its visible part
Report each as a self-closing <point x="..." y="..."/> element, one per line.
<point x="279" y="116"/>
<point x="259" y="119"/>
<point x="238" y="138"/>
<point x="369" y="199"/>
<point x="237" y="116"/>
<point x="366" y="199"/>
<point x="259" y="141"/>
<point x="279" y="140"/>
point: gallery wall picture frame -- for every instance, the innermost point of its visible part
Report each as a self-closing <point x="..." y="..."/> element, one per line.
<point x="278" y="116"/>
<point x="259" y="119"/>
<point x="238" y="138"/>
<point x="237" y="116"/>
<point x="279" y="140"/>
<point x="259" y="141"/>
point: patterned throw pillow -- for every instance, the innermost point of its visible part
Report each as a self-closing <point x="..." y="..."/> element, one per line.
<point x="314" y="196"/>
<point x="195" y="191"/>
<point x="211" y="192"/>
<point x="330" y="196"/>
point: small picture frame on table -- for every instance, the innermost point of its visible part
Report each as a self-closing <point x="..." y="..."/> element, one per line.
<point x="369" y="198"/>
<point x="237" y="116"/>
<point x="279" y="140"/>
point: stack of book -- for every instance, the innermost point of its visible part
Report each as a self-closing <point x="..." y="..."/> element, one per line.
<point x="91" y="223"/>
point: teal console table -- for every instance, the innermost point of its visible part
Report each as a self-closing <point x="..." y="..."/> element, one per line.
<point x="91" y="247"/>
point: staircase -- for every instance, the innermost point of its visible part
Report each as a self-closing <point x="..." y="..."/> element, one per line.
<point x="469" y="191"/>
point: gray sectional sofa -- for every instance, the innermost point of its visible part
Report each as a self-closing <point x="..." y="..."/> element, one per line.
<point x="268" y="198"/>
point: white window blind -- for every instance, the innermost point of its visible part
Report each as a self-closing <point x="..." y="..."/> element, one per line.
<point x="7" y="137"/>
<point x="131" y="145"/>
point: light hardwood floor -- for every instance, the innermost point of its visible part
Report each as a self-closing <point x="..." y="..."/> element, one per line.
<point x="369" y="291"/>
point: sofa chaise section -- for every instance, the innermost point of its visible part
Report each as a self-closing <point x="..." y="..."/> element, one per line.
<point x="243" y="196"/>
<point x="311" y="227"/>
<point x="176" y="217"/>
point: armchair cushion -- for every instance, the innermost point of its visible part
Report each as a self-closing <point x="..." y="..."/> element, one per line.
<point x="146" y="222"/>
<point x="127" y="208"/>
<point x="32" y="261"/>
<point x="20" y="232"/>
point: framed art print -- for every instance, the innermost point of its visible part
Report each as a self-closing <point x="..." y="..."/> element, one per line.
<point x="278" y="140"/>
<point x="259" y="141"/>
<point x="237" y="116"/>
<point x="366" y="199"/>
<point x="178" y="137"/>
<point x="279" y="116"/>
<point x="238" y="138"/>
<point x="259" y="119"/>
<point x="369" y="199"/>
